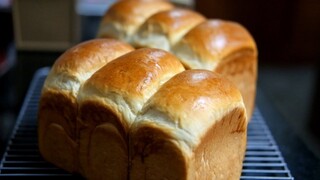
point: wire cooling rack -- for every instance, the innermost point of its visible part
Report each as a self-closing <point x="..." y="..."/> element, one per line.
<point x="263" y="160"/>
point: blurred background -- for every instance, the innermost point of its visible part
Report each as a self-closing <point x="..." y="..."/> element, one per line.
<point x="287" y="32"/>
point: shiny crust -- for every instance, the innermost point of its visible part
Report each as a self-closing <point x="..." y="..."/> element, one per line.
<point x="134" y="76"/>
<point x="195" y="118"/>
<point x="205" y="116"/>
<point x="125" y="17"/>
<point x="225" y="47"/>
<point x="109" y="102"/>
<point x="172" y="24"/>
<point x="57" y="125"/>
<point x="212" y="41"/>
<point x="78" y="63"/>
<point x="221" y="46"/>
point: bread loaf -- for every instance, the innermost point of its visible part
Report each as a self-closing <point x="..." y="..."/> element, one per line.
<point x="108" y="104"/>
<point x="218" y="45"/>
<point x="57" y="123"/>
<point x="194" y="130"/>
<point x="140" y="116"/>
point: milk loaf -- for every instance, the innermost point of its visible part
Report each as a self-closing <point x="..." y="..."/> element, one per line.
<point x="109" y="102"/>
<point x="57" y="122"/>
<point x="193" y="127"/>
<point x="124" y="17"/>
<point x="221" y="46"/>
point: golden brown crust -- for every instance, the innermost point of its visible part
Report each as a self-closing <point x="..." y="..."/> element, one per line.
<point x="241" y="69"/>
<point x="154" y="155"/>
<point x="125" y="17"/>
<point x="221" y="151"/>
<point x="57" y="129"/>
<point x="198" y="91"/>
<point x="58" y="104"/>
<point x="172" y="24"/>
<point x="177" y="19"/>
<point x="225" y="47"/>
<point x="134" y="12"/>
<point x="109" y="102"/>
<point x="203" y="118"/>
<point x="102" y="142"/>
<point x="90" y="54"/>
<point x="62" y="105"/>
<point x="82" y="60"/>
<point x="206" y="46"/>
<point x="136" y="72"/>
<point x="214" y="40"/>
<point x="196" y="114"/>
<point x="210" y="45"/>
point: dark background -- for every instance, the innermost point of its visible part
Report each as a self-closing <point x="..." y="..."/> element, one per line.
<point x="287" y="33"/>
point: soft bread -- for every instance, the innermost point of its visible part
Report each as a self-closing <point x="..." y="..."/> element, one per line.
<point x="166" y="28"/>
<point x="194" y="130"/>
<point x="108" y="104"/>
<point x="57" y="125"/>
<point x="225" y="47"/>
<point x="123" y="18"/>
